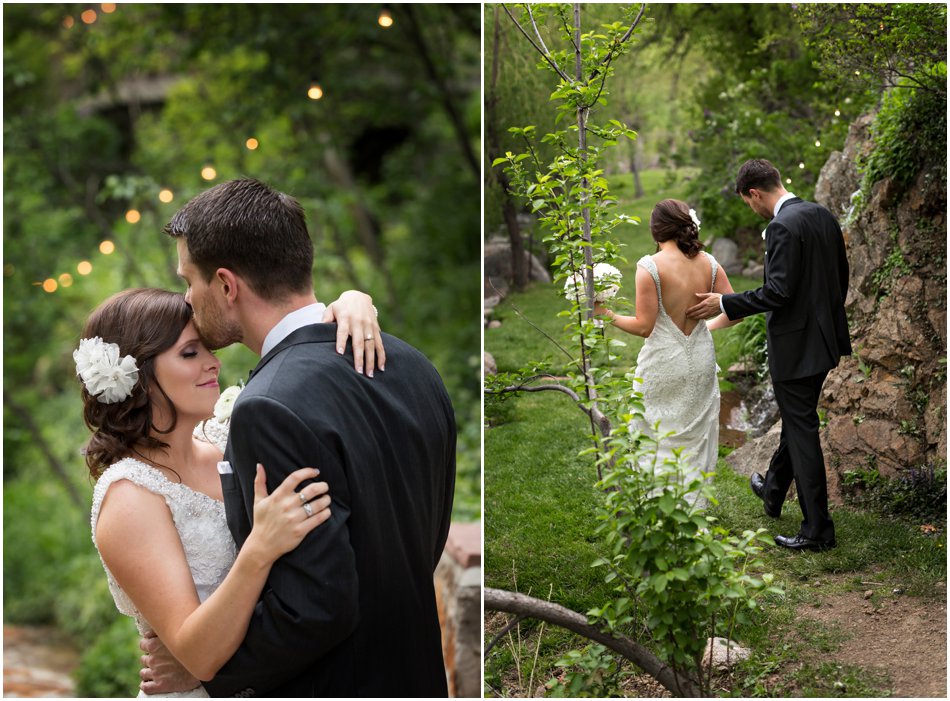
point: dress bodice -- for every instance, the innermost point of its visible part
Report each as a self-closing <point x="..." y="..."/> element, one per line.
<point x="199" y="519"/>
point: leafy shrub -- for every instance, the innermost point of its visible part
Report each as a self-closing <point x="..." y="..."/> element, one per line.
<point x="918" y="494"/>
<point x="750" y="343"/>
<point x="909" y="130"/>
<point x="42" y="530"/>
<point x="110" y="667"/>
<point x="677" y="576"/>
<point x="589" y="673"/>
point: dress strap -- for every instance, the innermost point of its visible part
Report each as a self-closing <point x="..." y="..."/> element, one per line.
<point x="648" y="264"/>
<point x="715" y="268"/>
<point x="134" y="471"/>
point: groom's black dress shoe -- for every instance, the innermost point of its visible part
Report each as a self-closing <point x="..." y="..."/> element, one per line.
<point x="800" y="542"/>
<point x="757" y="482"/>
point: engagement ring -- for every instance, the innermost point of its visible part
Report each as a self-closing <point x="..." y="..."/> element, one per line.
<point x="308" y="509"/>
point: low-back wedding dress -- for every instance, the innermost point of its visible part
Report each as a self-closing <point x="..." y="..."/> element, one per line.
<point x="677" y="374"/>
<point x="202" y="528"/>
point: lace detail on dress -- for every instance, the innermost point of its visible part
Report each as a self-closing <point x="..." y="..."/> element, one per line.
<point x="199" y="519"/>
<point x="677" y="374"/>
<point x="214" y="432"/>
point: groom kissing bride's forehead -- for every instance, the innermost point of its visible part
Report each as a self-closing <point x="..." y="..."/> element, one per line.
<point x="361" y="585"/>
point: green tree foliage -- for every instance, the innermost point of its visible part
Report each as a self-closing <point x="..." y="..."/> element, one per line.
<point x="879" y="44"/>
<point x="106" y="113"/>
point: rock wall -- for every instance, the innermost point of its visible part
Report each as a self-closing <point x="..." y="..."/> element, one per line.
<point x="887" y="404"/>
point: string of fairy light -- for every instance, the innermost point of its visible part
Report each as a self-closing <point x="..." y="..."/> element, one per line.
<point x="209" y="173"/>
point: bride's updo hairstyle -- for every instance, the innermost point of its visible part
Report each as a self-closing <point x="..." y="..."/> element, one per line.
<point x="671" y="221"/>
<point x="143" y="323"/>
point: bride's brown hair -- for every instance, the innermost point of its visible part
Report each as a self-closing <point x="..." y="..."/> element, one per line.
<point x="143" y="323"/>
<point x="671" y="221"/>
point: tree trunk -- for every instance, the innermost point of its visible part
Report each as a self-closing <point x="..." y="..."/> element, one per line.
<point x="519" y="265"/>
<point x="519" y="604"/>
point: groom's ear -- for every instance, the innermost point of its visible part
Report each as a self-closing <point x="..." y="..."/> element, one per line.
<point x="227" y="282"/>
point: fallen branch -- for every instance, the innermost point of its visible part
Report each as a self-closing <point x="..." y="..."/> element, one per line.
<point x="522" y="605"/>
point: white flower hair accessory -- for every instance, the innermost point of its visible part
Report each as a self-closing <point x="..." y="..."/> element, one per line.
<point x="692" y="215"/>
<point x="105" y="375"/>
<point x="604" y="273"/>
<point x="225" y="404"/>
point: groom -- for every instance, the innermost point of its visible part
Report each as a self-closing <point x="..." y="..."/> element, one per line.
<point x="803" y="295"/>
<point x="351" y="612"/>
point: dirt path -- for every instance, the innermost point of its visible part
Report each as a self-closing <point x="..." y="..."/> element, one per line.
<point x="905" y="637"/>
<point x="37" y="663"/>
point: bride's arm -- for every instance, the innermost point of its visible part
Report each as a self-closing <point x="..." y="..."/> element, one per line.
<point x="140" y="545"/>
<point x="723" y="287"/>
<point x="647" y="306"/>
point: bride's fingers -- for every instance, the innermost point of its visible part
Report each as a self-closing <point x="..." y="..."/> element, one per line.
<point x="260" y="484"/>
<point x="291" y="481"/>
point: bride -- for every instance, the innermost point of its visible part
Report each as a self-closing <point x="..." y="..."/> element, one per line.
<point x="158" y="517"/>
<point x="676" y="367"/>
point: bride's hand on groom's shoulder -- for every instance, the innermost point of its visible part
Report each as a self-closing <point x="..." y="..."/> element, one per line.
<point x="355" y="317"/>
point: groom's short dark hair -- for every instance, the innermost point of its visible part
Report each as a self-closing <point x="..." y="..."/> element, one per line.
<point x="251" y="229"/>
<point x="757" y="173"/>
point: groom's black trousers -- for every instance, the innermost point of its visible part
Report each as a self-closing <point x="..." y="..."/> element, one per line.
<point x="799" y="456"/>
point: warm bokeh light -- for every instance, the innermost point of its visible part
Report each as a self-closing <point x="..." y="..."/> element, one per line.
<point x="788" y="181"/>
<point x="252" y="143"/>
<point x="68" y="22"/>
<point x="65" y="279"/>
<point x="8" y="269"/>
<point x="837" y="113"/>
<point x="107" y="247"/>
<point x="166" y="196"/>
<point x="49" y="285"/>
<point x="133" y="216"/>
<point x="89" y="16"/>
<point x="385" y="19"/>
<point x="315" y="92"/>
<point x="801" y="165"/>
<point x="209" y="173"/>
<point x="817" y="144"/>
<point x="108" y="7"/>
<point x="84" y="267"/>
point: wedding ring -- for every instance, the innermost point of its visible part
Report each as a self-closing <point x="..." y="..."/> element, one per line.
<point x="303" y="499"/>
<point x="308" y="509"/>
<point x="369" y="337"/>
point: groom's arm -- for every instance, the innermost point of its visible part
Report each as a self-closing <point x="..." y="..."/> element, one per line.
<point x="783" y="271"/>
<point x="309" y="604"/>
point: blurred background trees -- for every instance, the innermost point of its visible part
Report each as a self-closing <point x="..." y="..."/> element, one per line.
<point x="115" y="116"/>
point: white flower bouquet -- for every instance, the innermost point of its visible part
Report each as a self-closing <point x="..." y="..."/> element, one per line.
<point x="606" y="283"/>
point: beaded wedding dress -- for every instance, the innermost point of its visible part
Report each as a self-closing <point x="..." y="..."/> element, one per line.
<point x="677" y="374"/>
<point x="201" y="523"/>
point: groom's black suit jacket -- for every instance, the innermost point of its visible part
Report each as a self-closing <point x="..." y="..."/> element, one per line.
<point x="351" y="612"/>
<point x="803" y="292"/>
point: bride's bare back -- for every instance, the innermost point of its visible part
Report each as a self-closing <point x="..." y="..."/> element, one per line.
<point x="681" y="279"/>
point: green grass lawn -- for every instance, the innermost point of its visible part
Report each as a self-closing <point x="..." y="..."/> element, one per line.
<point x="539" y="519"/>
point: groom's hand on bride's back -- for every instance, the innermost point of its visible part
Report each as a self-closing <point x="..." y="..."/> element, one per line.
<point x="355" y="317"/>
<point x="706" y="307"/>
<point x="161" y="673"/>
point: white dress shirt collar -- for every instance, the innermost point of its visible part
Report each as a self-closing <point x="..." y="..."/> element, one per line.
<point x="782" y="200"/>
<point x="305" y="316"/>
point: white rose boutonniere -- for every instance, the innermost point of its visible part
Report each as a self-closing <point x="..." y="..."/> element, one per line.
<point x="225" y="403"/>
